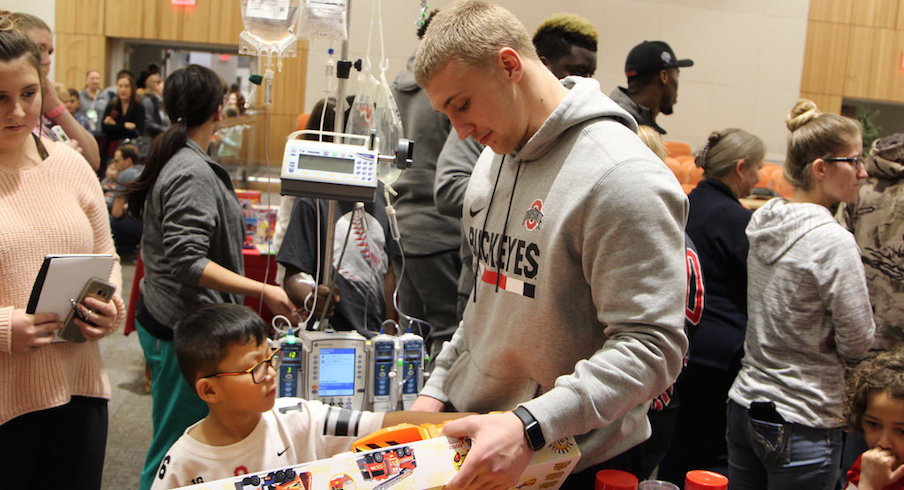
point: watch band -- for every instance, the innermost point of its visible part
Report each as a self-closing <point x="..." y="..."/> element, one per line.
<point x="532" y="431"/>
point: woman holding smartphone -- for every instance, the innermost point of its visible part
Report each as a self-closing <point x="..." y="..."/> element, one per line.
<point x="53" y="410"/>
<point x="808" y="312"/>
<point x="191" y="245"/>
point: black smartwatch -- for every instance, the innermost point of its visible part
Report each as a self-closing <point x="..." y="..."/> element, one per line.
<point x="532" y="431"/>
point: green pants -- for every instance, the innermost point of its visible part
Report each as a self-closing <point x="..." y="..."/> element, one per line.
<point x="176" y="406"/>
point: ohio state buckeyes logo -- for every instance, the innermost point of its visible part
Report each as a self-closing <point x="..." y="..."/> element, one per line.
<point x="533" y="216"/>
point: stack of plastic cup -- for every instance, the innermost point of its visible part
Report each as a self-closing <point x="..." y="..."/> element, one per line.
<point x="705" y="480"/>
<point x="615" y="480"/>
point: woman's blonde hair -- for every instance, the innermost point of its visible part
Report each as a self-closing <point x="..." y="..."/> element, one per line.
<point x="724" y="148"/>
<point x="472" y="32"/>
<point x="814" y="134"/>
<point x="653" y="140"/>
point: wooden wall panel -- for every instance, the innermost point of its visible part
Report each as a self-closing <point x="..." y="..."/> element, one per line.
<point x="226" y="22"/>
<point x="824" y="57"/>
<point x="900" y="15"/>
<point x="75" y="55"/>
<point x="875" y="13"/>
<point x="896" y="92"/>
<point x="81" y="17"/>
<point x="825" y="102"/>
<point x="122" y="19"/>
<point x="196" y="23"/>
<point x="831" y="10"/>
<point x="162" y="21"/>
<point x="871" y="58"/>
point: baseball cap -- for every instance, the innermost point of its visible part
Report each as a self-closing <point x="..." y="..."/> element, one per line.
<point x="652" y="55"/>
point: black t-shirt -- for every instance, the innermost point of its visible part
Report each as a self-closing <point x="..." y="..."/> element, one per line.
<point x="369" y="251"/>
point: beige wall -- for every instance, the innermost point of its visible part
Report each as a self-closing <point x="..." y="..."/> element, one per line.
<point x="748" y="54"/>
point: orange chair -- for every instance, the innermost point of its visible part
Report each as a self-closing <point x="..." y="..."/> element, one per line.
<point x="677" y="148"/>
<point x="674" y="165"/>
<point x="302" y="121"/>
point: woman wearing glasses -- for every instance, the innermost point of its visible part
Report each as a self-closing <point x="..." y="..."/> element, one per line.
<point x="808" y="312"/>
<point x="191" y="245"/>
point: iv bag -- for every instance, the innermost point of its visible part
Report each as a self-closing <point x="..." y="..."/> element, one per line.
<point x="388" y="123"/>
<point x="324" y="19"/>
<point x="270" y="27"/>
<point x="361" y="115"/>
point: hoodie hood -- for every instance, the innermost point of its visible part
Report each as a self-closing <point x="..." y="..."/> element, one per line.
<point x="572" y="111"/>
<point x="404" y="81"/>
<point x="778" y="225"/>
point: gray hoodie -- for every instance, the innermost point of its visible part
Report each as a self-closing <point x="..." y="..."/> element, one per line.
<point x="808" y="310"/>
<point x="578" y="312"/>
<point x="424" y="230"/>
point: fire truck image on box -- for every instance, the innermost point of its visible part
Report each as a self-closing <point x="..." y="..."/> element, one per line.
<point x="389" y="465"/>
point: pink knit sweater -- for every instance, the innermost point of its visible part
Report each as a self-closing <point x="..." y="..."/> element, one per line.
<point x="54" y="208"/>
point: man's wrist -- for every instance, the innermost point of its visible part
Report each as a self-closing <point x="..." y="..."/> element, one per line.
<point x="532" y="433"/>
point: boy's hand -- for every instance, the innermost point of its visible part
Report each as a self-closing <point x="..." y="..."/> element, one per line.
<point x="499" y="452"/>
<point x="877" y="469"/>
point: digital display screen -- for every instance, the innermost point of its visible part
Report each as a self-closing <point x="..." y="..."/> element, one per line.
<point x="412" y="351"/>
<point x="337" y="372"/>
<point x="326" y="164"/>
<point x="384" y="353"/>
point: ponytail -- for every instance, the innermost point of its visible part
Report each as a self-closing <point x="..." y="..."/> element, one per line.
<point x="191" y="96"/>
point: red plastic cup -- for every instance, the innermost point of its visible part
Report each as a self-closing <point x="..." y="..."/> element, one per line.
<point x="705" y="480"/>
<point x="615" y="480"/>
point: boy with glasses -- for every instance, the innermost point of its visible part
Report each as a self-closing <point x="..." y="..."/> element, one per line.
<point x="224" y="353"/>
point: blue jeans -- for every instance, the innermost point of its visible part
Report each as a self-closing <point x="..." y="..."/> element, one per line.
<point x="769" y="455"/>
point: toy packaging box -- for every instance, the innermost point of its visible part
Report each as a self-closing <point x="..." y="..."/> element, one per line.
<point x="421" y="465"/>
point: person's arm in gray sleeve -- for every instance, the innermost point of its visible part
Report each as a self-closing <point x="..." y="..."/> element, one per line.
<point x="453" y="172"/>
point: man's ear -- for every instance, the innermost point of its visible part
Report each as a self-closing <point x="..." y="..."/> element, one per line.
<point x="206" y="390"/>
<point x="510" y="61"/>
<point x="664" y="76"/>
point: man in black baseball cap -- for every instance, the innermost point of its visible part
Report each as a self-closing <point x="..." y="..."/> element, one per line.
<point x="652" y="70"/>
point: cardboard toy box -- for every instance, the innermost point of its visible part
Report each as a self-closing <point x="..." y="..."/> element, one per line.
<point x="422" y="465"/>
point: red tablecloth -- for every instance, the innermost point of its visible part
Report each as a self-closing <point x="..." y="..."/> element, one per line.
<point x="257" y="266"/>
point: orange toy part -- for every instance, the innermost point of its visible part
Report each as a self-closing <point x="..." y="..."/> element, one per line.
<point x="395" y="435"/>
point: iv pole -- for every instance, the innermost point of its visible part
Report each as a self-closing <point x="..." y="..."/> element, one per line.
<point x="338" y="127"/>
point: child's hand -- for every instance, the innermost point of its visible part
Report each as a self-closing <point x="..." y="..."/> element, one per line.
<point x="877" y="469"/>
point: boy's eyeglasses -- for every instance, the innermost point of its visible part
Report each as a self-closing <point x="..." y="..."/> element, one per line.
<point x="855" y="162"/>
<point x="258" y="372"/>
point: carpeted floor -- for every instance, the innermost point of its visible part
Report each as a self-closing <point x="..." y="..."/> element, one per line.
<point x="130" y="407"/>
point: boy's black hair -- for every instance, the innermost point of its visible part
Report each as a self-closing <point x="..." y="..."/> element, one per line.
<point x="202" y="338"/>
<point x="884" y="373"/>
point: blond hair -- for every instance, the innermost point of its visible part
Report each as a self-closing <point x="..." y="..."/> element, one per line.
<point x="472" y="32"/>
<point x="26" y="22"/>
<point x="725" y="148"/>
<point x="653" y="140"/>
<point x="814" y="134"/>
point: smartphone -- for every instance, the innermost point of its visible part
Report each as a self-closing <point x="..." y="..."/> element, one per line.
<point x="58" y="131"/>
<point x="95" y="288"/>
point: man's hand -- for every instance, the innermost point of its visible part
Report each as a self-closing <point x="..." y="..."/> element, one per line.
<point x="877" y="469"/>
<point x="499" y="452"/>
<point x="425" y="403"/>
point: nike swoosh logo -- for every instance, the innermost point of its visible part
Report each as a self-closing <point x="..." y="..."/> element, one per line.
<point x="473" y="212"/>
<point x="282" y="452"/>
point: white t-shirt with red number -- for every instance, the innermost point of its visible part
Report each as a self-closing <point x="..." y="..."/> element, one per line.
<point x="294" y="431"/>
